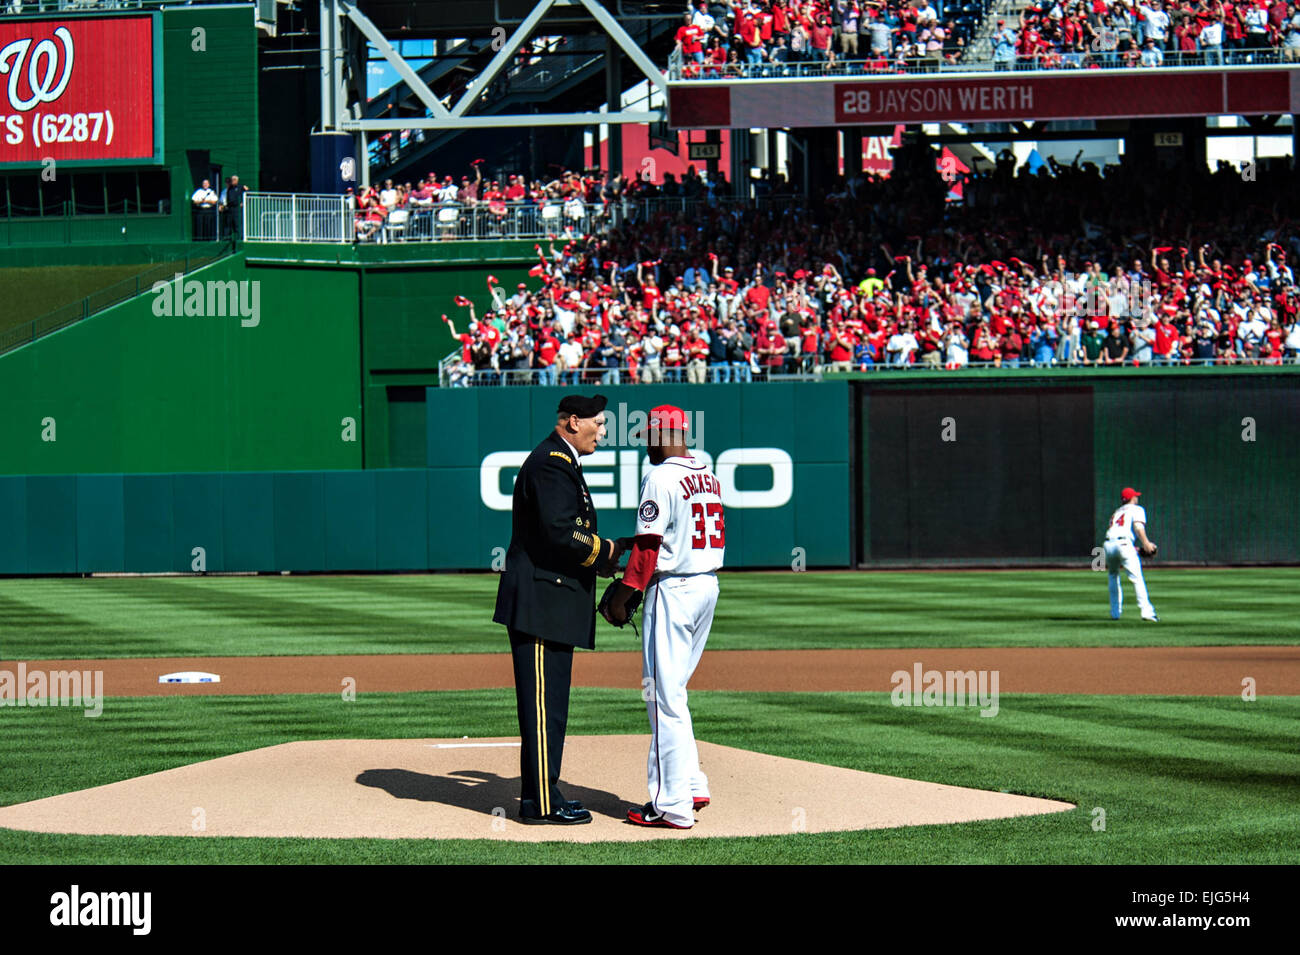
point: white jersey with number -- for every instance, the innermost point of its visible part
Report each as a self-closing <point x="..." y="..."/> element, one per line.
<point x="681" y="502"/>
<point x="1122" y="521"/>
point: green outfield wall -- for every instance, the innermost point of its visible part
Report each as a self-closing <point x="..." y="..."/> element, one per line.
<point x="1026" y="467"/>
<point x="265" y="521"/>
<point x="209" y="389"/>
<point x="786" y="486"/>
<point x="779" y="450"/>
<point x="402" y="291"/>
<point x="344" y="333"/>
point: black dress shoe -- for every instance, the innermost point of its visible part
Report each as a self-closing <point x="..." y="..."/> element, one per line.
<point x="571" y="804"/>
<point x="566" y="815"/>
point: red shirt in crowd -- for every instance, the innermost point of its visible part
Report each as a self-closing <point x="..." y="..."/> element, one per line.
<point x="690" y="37"/>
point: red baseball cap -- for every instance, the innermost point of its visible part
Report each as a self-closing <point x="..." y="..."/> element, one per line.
<point x="1128" y="494"/>
<point x="665" y="418"/>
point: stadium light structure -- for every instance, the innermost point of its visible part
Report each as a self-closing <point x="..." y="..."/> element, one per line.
<point x="337" y="114"/>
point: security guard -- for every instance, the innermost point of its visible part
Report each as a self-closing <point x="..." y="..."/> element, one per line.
<point x="546" y="598"/>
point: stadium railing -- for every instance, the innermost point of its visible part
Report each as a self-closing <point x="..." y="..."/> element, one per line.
<point x="74" y="312"/>
<point x="299" y="217"/>
<point x="296" y="217"/>
<point x="454" y="373"/>
<point x="808" y="69"/>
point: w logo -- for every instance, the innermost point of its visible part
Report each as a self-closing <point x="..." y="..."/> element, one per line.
<point x="40" y="82"/>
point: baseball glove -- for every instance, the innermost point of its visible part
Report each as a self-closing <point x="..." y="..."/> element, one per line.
<point x="630" y="603"/>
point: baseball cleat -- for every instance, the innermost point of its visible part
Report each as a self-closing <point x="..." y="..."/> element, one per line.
<point x="1152" y="619"/>
<point x="648" y="816"/>
<point x="700" y="802"/>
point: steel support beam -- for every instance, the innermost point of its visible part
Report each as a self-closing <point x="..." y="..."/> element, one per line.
<point x="515" y="122"/>
<point x="395" y="59"/>
<point x="336" y="114"/>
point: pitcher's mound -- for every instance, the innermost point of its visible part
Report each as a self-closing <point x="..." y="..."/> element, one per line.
<point x="469" y="789"/>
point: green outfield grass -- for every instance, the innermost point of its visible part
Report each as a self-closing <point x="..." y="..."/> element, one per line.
<point x="452" y="613"/>
<point x="1181" y="780"/>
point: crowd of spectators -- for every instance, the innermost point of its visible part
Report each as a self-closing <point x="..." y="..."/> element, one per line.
<point x="1074" y="266"/>
<point x="1131" y="33"/>
<point x="766" y="37"/>
<point x="582" y="200"/>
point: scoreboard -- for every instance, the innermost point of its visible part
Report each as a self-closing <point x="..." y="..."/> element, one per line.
<point x="80" y="91"/>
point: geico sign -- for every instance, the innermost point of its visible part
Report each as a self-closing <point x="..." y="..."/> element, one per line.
<point x="622" y="471"/>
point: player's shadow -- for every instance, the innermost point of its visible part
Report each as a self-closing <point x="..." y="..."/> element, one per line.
<point x="480" y="791"/>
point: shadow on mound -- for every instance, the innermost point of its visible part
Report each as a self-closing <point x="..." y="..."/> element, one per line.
<point x="479" y="791"/>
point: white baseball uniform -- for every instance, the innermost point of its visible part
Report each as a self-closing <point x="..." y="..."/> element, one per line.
<point x="1121" y="553"/>
<point x="681" y="502"/>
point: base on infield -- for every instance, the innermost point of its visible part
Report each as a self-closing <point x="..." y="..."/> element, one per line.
<point x="468" y="789"/>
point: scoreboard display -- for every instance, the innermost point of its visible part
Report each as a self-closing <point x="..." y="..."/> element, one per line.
<point x="79" y="91"/>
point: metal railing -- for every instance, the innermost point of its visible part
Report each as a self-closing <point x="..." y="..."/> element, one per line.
<point x="456" y="221"/>
<point x="453" y="373"/>
<point x="297" y="217"/>
<point x="938" y="63"/>
<point x="1077" y="365"/>
<point x="285" y="217"/>
<point x="97" y="301"/>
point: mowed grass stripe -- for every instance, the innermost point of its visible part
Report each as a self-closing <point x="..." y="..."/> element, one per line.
<point x="451" y="613"/>
<point x="1206" y="796"/>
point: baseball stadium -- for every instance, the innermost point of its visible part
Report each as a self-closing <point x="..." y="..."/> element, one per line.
<point x="981" y="313"/>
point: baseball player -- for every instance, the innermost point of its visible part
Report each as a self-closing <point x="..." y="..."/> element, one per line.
<point x="679" y="543"/>
<point x="1125" y="536"/>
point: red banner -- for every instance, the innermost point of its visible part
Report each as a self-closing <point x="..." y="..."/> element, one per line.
<point x="76" y="90"/>
<point x="986" y="97"/>
<point x="1096" y="95"/>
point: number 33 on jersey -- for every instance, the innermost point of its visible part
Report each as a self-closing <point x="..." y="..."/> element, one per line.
<point x="681" y="502"/>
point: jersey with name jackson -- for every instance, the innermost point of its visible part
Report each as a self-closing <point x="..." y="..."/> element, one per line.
<point x="681" y="501"/>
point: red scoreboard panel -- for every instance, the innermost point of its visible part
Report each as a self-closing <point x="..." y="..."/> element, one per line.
<point x="984" y="97"/>
<point x="78" y="91"/>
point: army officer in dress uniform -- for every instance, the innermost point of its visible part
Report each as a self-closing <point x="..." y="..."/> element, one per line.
<point x="546" y="598"/>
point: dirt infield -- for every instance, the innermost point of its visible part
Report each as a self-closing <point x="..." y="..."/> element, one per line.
<point x="1167" y="671"/>
<point x="468" y="789"/>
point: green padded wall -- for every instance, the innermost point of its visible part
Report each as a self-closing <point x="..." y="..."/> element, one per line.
<point x="809" y="423"/>
<point x="1052" y="450"/>
<point x="130" y="391"/>
<point x="1210" y="495"/>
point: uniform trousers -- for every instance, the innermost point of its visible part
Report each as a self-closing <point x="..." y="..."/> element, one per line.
<point x="542" y="674"/>
<point x="678" y="614"/>
<point x="1121" y="555"/>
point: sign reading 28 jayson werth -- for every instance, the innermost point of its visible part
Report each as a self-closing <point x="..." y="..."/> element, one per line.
<point x="77" y="90"/>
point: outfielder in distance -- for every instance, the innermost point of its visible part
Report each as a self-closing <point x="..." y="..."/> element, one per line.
<point x="1127" y="533"/>
<point x="677" y="550"/>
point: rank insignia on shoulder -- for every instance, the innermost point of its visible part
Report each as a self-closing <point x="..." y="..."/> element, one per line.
<point x="561" y="454"/>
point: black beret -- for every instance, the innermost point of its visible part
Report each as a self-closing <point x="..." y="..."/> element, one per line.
<point x="582" y="405"/>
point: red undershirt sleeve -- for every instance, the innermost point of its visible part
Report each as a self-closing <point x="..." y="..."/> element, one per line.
<point x="641" y="565"/>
